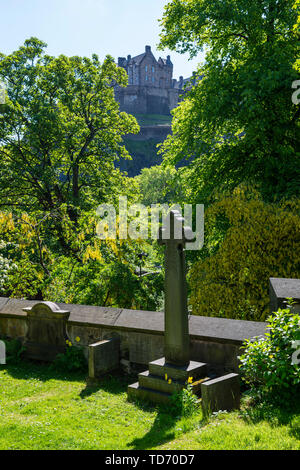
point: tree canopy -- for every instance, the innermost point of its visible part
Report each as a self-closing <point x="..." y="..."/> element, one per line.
<point x="238" y="123"/>
<point x="61" y="130"/>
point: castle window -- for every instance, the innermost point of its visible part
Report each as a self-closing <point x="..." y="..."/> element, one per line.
<point x="146" y="78"/>
<point x="146" y="68"/>
<point x="153" y="69"/>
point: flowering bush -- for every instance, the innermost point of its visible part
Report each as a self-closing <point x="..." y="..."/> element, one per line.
<point x="267" y="363"/>
<point x="247" y="242"/>
<point x="6" y="265"/>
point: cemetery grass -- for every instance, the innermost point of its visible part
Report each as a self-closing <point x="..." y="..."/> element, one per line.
<point x="42" y="409"/>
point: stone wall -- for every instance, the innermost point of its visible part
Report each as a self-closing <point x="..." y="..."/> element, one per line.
<point x="216" y="341"/>
<point x="147" y="99"/>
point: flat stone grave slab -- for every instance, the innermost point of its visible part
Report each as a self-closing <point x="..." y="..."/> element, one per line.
<point x="104" y="356"/>
<point x="221" y="394"/>
<point x="282" y="289"/>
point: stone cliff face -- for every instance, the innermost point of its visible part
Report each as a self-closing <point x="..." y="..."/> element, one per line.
<point x="143" y="148"/>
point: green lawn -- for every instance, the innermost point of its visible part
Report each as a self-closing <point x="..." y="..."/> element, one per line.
<point x="153" y="119"/>
<point x="40" y="409"/>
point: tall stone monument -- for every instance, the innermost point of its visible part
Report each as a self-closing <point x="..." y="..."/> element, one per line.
<point x="177" y="340"/>
<point x="170" y="373"/>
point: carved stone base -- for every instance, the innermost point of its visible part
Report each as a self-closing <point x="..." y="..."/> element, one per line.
<point x="162" y="379"/>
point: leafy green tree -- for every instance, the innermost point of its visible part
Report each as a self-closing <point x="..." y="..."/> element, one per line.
<point x="238" y="123"/>
<point x="61" y="132"/>
<point x="247" y="241"/>
<point x="60" y="135"/>
<point x="159" y="185"/>
<point x="104" y="272"/>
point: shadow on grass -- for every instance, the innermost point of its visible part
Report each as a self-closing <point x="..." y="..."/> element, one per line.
<point x="115" y="382"/>
<point x="161" y="432"/>
<point x="27" y="369"/>
<point x="164" y="429"/>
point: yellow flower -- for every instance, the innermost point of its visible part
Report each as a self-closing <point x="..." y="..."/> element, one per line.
<point x="190" y="380"/>
<point x="169" y="381"/>
<point x="166" y="376"/>
<point x="77" y="339"/>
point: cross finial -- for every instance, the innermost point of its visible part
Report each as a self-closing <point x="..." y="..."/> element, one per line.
<point x="174" y="230"/>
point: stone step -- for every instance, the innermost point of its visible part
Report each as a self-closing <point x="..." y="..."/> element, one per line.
<point x="156" y="382"/>
<point x="196" y="370"/>
<point x="135" y="391"/>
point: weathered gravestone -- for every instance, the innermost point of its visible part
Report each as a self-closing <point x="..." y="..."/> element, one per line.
<point x="2" y="353"/>
<point x="46" y="331"/>
<point x="282" y="289"/>
<point x="221" y="393"/>
<point x="170" y="373"/>
<point x="104" y="357"/>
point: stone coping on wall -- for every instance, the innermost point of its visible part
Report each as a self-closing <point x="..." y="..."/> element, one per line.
<point x="284" y="288"/>
<point x="212" y="329"/>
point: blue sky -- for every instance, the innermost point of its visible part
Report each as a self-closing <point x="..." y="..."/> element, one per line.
<point x="84" y="27"/>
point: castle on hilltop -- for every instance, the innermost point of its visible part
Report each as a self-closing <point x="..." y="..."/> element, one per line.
<point x="151" y="88"/>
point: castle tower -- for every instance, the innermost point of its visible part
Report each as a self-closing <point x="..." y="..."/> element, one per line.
<point x="151" y="88"/>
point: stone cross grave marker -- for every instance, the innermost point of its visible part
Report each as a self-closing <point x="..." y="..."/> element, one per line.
<point x="177" y="341"/>
<point x="170" y="373"/>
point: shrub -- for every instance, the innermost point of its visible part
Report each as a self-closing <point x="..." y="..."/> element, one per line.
<point x="266" y="364"/>
<point x="247" y="242"/>
<point x="72" y="360"/>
